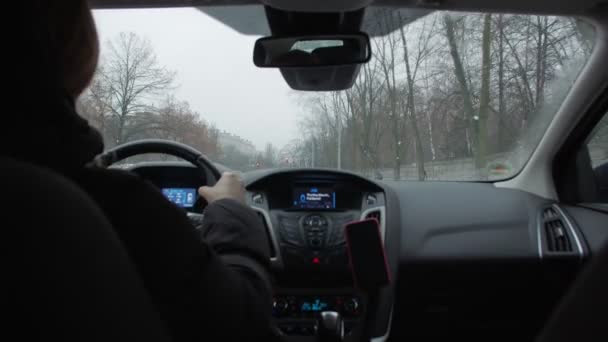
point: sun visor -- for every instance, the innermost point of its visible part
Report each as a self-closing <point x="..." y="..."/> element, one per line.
<point x="251" y="19"/>
<point x="328" y="78"/>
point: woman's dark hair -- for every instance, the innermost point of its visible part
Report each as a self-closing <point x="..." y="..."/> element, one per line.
<point x="52" y="61"/>
<point x="64" y="39"/>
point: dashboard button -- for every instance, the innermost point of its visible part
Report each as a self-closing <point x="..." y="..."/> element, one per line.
<point x="288" y="221"/>
<point x="352" y="306"/>
<point x="348" y="327"/>
<point x="290" y="234"/>
<point x="288" y="226"/>
<point x="292" y="239"/>
<point x="280" y="307"/>
<point x="287" y="329"/>
<point x="306" y="330"/>
<point x="336" y="238"/>
<point x="340" y="240"/>
<point x="315" y="242"/>
<point x="293" y="256"/>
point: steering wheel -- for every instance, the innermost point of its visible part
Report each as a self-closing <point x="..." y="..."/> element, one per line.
<point x="172" y="148"/>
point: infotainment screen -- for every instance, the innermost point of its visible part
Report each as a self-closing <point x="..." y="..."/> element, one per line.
<point x="182" y="197"/>
<point x="313" y="197"/>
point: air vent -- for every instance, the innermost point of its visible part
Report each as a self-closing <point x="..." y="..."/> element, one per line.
<point x="273" y="252"/>
<point x="557" y="235"/>
<point x="549" y="214"/>
<point x="375" y="215"/>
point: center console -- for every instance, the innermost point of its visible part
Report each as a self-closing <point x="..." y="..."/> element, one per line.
<point x="314" y="241"/>
<point x="305" y="216"/>
<point x="316" y="275"/>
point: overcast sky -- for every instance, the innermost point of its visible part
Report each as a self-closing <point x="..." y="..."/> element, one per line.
<point x="215" y="72"/>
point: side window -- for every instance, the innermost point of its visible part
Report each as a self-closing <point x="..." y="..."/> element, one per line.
<point x="597" y="146"/>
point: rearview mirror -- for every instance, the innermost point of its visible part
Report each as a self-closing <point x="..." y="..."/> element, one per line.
<point x="312" y="51"/>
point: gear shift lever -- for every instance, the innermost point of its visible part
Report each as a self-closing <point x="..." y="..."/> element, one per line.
<point x="330" y="327"/>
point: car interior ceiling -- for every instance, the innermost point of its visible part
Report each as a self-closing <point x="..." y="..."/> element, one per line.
<point x="469" y="260"/>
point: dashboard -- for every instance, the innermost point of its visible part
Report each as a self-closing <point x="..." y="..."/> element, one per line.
<point x="469" y="260"/>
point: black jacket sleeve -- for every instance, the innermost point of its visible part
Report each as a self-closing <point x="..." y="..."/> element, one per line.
<point x="217" y="288"/>
<point x="237" y="235"/>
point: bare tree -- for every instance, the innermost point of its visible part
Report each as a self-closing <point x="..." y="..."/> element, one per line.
<point x="460" y="73"/>
<point x="484" y="98"/>
<point x="270" y="156"/>
<point x="422" y="52"/>
<point x="385" y="48"/>
<point x="501" y="141"/>
<point x="130" y="75"/>
<point x="96" y="99"/>
<point x="486" y="76"/>
<point x="365" y="105"/>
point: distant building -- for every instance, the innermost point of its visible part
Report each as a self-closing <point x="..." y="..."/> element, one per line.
<point x="227" y="139"/>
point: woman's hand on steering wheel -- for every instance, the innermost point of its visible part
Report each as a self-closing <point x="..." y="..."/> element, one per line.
<point x="230" y="185"/>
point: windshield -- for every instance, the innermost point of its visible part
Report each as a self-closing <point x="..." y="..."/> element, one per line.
<point x="447" y="96"/>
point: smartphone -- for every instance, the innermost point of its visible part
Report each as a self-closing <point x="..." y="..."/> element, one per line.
<point x="366" y="254"/>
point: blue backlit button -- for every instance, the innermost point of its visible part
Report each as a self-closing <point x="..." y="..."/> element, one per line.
<point x="306" y="307"/>
<point x="318" y="305"/>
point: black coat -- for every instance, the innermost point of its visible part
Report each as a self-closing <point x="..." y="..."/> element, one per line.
<point x="208" y="284"/>
<point x="216" y="285"/>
